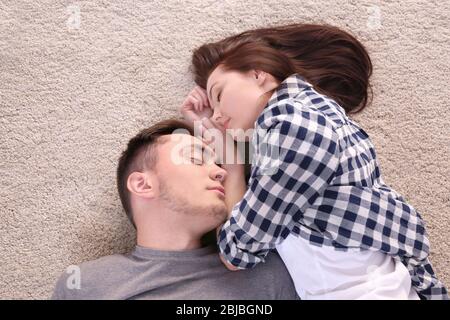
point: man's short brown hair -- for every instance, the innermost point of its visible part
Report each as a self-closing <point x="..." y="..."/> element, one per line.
<point x="141" y="154"/>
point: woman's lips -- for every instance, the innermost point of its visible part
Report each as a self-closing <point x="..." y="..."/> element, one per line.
<point x="226" y="124"/>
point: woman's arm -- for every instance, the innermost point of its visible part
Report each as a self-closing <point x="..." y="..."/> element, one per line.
<point x="234" y="184"/>
<point x="196" y="108"/>
<point x="231" y="159"/>
<point x="235" y="188"/>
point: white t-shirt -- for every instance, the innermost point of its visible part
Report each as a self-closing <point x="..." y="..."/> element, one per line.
<point x="325" y="273"/>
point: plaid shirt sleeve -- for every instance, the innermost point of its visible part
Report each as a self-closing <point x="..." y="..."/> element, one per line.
<point x="396" y="228"/>
<point x="306" y="148"/>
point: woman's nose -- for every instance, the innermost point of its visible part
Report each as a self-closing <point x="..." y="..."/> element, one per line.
<point x="216" y="115"/>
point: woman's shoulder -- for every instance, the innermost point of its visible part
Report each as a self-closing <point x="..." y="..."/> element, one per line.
<point x="302" y="112"/>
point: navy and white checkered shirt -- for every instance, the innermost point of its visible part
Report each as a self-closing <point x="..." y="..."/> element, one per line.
<point x="327" y="188"/>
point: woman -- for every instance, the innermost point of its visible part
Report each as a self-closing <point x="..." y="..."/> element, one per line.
<point x="340" y="230"/>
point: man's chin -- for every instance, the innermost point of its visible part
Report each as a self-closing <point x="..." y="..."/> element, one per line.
<point x="220" y="212"/>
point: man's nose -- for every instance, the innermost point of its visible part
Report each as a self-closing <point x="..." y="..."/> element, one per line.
<point x="218" y="174"/>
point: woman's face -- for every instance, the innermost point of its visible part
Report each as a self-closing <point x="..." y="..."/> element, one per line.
<point x="236" y="98"/>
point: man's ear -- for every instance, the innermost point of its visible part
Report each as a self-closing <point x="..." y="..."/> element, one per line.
<point x="143" y="184"/>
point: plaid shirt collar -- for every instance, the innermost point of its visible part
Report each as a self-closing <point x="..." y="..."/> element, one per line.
<point x="290" y="87"/>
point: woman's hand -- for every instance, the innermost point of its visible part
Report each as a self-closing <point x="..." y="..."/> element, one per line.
<point x="196" y="105"/>
<point x="228" y="265"/>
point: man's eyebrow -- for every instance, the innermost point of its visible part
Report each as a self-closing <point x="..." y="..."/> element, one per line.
<point x="190" y="148"/>
<point x="210" y="90"/>
<point x="209" y="151"/>
<point x="195" y="147"/>
<point x="202" y="149"/>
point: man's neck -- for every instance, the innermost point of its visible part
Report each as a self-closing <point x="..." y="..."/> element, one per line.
<point x="167" y="240"/>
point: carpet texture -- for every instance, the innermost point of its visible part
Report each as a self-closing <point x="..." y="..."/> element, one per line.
<point x="79" y="78"/>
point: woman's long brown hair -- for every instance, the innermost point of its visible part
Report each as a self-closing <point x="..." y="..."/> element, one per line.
<point x="331" y="59"/>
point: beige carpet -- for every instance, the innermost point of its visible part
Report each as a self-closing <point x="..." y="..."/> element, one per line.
<point x="79" y="78"/>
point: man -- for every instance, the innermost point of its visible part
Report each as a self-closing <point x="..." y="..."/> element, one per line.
<point x="173" y="193"/>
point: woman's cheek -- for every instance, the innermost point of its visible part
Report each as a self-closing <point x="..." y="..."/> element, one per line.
<point x="240" y="105"/>
<point x="229" y="108"/>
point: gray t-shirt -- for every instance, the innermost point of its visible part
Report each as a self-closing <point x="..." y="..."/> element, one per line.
<point x="195" y="274"/>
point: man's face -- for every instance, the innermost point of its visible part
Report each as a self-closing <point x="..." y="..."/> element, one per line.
<point x="190" y="183"/>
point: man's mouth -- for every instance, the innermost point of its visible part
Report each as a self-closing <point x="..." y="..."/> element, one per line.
<point x="219" y="190"/>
